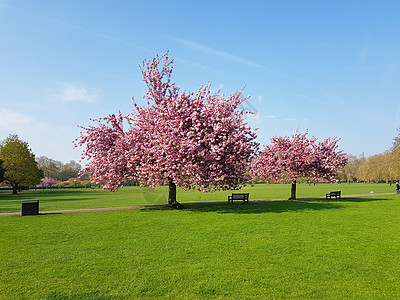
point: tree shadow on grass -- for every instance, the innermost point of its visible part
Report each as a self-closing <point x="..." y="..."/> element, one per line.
<point x="12" y="203"/>
<point x="50" y="193"/>
<point x="351" y="199"/>
<point x="260" y="207"/>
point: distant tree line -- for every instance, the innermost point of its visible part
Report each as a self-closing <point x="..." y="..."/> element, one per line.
<point x="56" y="170"/>
<point x="384" y="167"/>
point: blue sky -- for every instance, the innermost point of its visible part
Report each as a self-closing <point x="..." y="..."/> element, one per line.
<point x="332" y="67"/>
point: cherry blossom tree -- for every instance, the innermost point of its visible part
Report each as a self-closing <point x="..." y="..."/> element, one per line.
<point x="192" y="140"/>
<point x="291" y="157"/>
<point x="49" y="182"/>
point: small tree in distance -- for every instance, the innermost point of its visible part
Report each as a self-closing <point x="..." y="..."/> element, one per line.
<point x="192" y="140"/>
<point x="288" y="158"/>
<point x="20" y="167"/>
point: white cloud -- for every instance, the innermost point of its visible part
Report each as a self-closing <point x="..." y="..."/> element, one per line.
<point x="23" y="124"/>
<point x="13" y="120"/>
<point x="75" y="94"/>
<point x="44" y="138"/>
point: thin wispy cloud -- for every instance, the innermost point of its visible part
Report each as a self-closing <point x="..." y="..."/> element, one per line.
<point x="363" y="53"/>
<point x="185" y="61"/>
<point x="253" y="116"/>
<point x="260" y="118"/>
<point x="77" y="27"/>
<point x="75" y="94"/>
<point x="313" y="99"/>
<point x="216" y="52"/>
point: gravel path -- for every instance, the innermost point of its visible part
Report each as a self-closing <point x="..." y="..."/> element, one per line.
<point x="194" y="203"/>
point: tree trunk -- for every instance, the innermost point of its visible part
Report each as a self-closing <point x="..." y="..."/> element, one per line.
<point x="293" y="190"/>
<point x="172" y="203"/>
<point x="15" y="189"/>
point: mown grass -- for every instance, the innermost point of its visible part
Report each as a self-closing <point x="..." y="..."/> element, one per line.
<point x="347" y="249"/>
<point x="129" y="196"/>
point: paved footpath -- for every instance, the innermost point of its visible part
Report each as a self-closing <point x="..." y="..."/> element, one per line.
<point x="193" y="203"/>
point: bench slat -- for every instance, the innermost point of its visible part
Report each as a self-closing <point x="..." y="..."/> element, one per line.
<point x="336" y="194"/>
<point x="238" y="196"/>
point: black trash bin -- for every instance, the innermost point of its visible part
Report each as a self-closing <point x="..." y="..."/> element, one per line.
<point x="29" y="207"/>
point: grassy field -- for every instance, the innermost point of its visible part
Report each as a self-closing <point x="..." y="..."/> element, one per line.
<point x="128" y="196"/>
<point x="347" y="249"/>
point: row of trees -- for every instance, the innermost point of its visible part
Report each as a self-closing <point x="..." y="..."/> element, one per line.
<point x="384" y="167"/>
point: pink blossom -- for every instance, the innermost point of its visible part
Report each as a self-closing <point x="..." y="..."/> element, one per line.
<point x="48" y="182"/>
<point x="192" y="140"/>
<point x="288" y="158"/>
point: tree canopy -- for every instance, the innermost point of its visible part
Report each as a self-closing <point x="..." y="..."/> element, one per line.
<point x="291" y="157"/>
<point x="193" y="140"/>
<point x="19" y="163"/>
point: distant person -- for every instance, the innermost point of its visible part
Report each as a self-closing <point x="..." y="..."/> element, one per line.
<point x="397" y="188"/>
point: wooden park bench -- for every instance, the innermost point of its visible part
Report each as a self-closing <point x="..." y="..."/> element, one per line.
<point x="335" y="194"/>
<point x="236" y="196"/>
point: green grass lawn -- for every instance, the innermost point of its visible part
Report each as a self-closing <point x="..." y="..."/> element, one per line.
<point x="128" y="196"/>
<point x="344" y="249"/>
